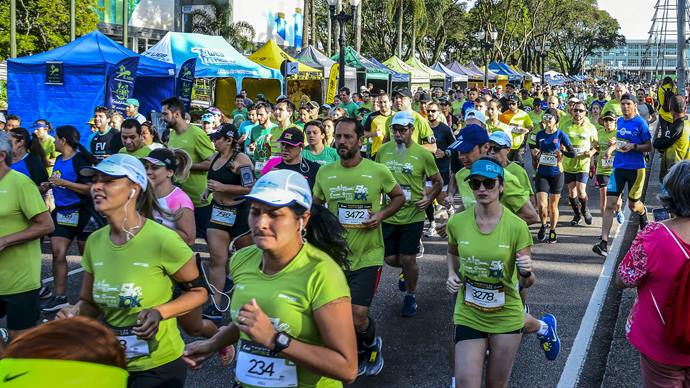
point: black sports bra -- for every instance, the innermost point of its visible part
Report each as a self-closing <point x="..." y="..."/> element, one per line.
<point x="224" y="174"/>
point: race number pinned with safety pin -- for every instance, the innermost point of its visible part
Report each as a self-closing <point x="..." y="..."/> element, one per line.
<point x="548" y="159"/>
<point x="484" y="296"/>
<point x="353" y="215"/>
<point x="256" y="365"/>
<point x="134" y="346"/>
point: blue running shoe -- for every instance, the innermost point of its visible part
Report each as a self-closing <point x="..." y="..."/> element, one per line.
<point x="550" y="342"/>
<point x="619" y="217"/>
<point x="401" y="282"/>
<point x="362" y="368"/>
<point x="375" y="360"/>
<point x="409" y="308"/>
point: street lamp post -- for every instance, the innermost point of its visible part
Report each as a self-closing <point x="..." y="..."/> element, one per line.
<point x="342" y="17"/>
<point x="483" y="38"/>
<point x="542" y="50"/>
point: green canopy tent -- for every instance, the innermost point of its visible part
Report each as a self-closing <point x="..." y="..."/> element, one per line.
<point x="367" y="72"/>
<point x="418" y="78"/>
<point x="436" y="78"/>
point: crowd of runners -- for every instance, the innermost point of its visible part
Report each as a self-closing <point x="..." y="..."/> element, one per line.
<point x="300" y="208"/>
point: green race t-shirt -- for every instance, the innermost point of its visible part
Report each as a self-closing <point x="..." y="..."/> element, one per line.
<point x="48" y="146"/>
<point x="499" y="126"/>
<point x="410" y="170"/>
<point x="140" y="153"/>
<point x="351" y="108"/>
<point x="582" y="137"/>
<point x="21" y="263"/>
<point x="536" y="119"/>
<point x="487" y="266"/>
<point x="421" y="131"/>
<point x="289" y="298"/>
<point x="521" y="174"/>
<point x="514" y="197"/>
<point x="32" y="372"/>
<point x="135" y="276"/>
<point x="612" y="105"/>
<point x="197" y="144"/>
<point x="604" y="164"/>
<point x="349" y="194"/>
<point x="328" y="155"/>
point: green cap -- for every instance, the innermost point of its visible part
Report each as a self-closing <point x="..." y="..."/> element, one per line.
<point x="133" y="101"/>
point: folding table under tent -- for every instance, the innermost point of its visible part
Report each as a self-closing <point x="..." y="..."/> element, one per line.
<point x="218" y="60"/>
<point x="418" y="78"/>
<point x="312" y="57"/>
<point x="398" y="80"/>
<point x="453" y="79"/>
<point x="437" y="79"/>
<point x="86" y="63"/>
<point x="367" y="72"/>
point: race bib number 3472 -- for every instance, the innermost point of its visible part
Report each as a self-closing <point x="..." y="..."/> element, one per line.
<point x="353" y="215"/>
<point x="256" y="366"/>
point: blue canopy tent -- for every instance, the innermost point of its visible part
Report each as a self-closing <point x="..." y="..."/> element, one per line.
<point x="155" y="82"/>
<point x="86" y="63"/>
<point x="504" y="70"/>
<point x="216" y="58"/>
<point x="452" y="78"/>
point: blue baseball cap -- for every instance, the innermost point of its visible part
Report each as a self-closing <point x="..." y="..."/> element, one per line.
<point x="119" y="166"/>
<point x="403" y="118"/>
<point x="501" y="138"/>
<point x="207" y="117"/>
<point x="470" y="136"/>
<point x="486" y="168"/>
<point x="281" y="188"/>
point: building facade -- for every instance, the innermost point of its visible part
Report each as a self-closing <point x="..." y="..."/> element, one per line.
<point x="635" y="59"/>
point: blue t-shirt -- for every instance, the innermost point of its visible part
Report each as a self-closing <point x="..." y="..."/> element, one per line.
<point x="634" y="131"/>
<point x="549" y="144"/>
<point x="467" y="105"/>
<point x="245" y="127"/>
<point x="69" y="171"/>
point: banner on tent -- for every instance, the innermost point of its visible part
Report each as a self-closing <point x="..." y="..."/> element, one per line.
<point x="332" y="84"/>
<point x="54" y="73"/>
<point x="185" y="82"/>
<point x="120" y="85"/>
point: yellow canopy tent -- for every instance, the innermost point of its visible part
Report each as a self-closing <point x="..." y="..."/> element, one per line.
<point x="305" y="84"/>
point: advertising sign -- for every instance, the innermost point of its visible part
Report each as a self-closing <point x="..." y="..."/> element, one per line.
<point x="120" y="85"/>
<point x="281" y="20"/>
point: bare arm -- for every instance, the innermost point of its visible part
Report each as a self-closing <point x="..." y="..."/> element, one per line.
<point x="203" y="165"/>
<point x="186" y="227"/>
<point x="526" y="281"/>
<point x="189" y="300"/>
<point x="528" y="213"/>
<point x="41" y="224"/>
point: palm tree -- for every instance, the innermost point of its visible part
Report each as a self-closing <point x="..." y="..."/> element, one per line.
<point x="419" y="23"/>
<point x="217" y="21"/>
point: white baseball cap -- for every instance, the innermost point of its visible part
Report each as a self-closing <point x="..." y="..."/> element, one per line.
<point x="282" y="188"/>
<point x="119" y="166"/>
<point x="475" y="114"/>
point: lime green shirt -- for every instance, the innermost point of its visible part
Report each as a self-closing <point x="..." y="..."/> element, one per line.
<point x="582" y="138"/>
<point x="521" y="174"/>
<point x="410" y="171"/>
<point x="422" y="130"/>
<point x="604" y="164"/>
<point x="60" y="374"/>
<point x="328" y="155"/>
<point x="140" y="153"/>
<point x="487" y="262"/>
<point x="536" y="119"/>
<point x="351" y="108"/>
<point x="613" y="105"/>
<point x="21" y="263"/>
<point x="276" y="131"/>
<point x="514" y="197"/>
<point x="135" y="276"/>
<point x="499" y="126"/>
<point x="197" y="144"/>
<point x="349" y="194"/>
<point x="289" y="298"/>
<point x="456" y="106"/>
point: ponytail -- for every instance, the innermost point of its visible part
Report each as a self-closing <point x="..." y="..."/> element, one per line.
<point x="31" y="144"/>
<point x="325" y="232"/>
<point x="184" y="165"/>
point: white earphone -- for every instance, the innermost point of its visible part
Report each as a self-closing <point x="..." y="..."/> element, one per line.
<point x="131" y="193"/>
<point x="301" y="225"/>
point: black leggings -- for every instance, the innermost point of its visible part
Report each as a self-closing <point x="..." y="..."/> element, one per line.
<point x="170" y="375"/>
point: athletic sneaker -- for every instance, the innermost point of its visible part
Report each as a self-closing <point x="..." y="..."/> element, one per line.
<point x="401" y="282"/>
<point x="552" y="237"/>
<point x="55" y="303"/>
<point x="550" y="342"/>
<point x="212" y="313"/>
<point x="362" y="366"/>
<point x="576" y="220"/>
<point x="420" y="251"/>
<point x="375" y="360"/>
<point x="4" y="336"/>
<point x="541" y="235"/>
<point x="409" y="308"/>
<point x="44" y="292"/>
<point x="601" y="249"/>
<point x="451" y="211"/>
<point x="620" y="218"/>
<point x="588" y="217"/>
<point x="431" y="231"/>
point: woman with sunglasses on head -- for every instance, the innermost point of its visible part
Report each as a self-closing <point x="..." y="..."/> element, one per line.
<point x="552" y="144"/>
<point x="28" y="156"/>
<point x="229" y="177"/>
<point x="291" y="310"/>
<point x="489" y="256"/>
<point x="130" y="266"/>
<point x="317" y="150"/>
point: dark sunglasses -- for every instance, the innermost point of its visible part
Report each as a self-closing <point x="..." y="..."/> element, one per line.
<point x="489" y="184"/>
<point x="512" y="103"/>
<point x="579" y="110"/>
<point x="400" y="129"/>
<point x="496" y="149"/>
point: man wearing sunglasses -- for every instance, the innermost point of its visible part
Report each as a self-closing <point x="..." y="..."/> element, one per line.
<point x="421" y="132"/>
<point x="500" y="144"/>
<point x="584" y="138"/>
<point x="411" y="166"/>
<point x="520" y="124"/>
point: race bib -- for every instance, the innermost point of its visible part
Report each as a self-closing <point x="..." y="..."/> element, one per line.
<point x="620" y="143"/>
<point x="407" y="190"/>
<point x="484" y="296"/>
<point x="68" y="218"/>
<point x="607" y="162"/>
<point x="224" y="216"/>
<point x="515" y="129"/>
<point x="257" y="366"/>
<point x="258" y="166"/>
<point x="353" y="215"/>
<point x="548" y="160"/>
<point x="533" y="137"/>
<point x="579" y="150"/>
<point x="134" y="347"/>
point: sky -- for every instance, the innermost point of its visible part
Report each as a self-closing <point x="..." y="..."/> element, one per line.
<point x="634" y="16"/>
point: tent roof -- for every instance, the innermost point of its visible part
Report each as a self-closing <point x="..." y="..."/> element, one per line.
<point x="417" y="64"/>
<point x="95" y="49"/>
<point x="312" y="57"/>
<point x="356" y="60"/>
<point x="503" y="69"/>
<point x="460" y="69"/>
<point x="527" y="76"/>
<point x="215" y="56"/>
<point x="395" y="76"/>
<point x="272" y="56"/>
<point x="455" y="77"/>
<point x="492" y="76"/>
<point x="416" y="75"/>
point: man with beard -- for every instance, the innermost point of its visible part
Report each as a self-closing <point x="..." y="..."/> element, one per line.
<point x="421" y="131"/>
<point x="197" y="144"/>
<point x="352" y="188"/>
<point x="411" y="165"/>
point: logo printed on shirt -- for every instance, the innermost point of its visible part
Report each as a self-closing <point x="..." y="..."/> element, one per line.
<point x="130" y="296"/>
<point x="145" y="265"/>
<point x="288" y="297"/>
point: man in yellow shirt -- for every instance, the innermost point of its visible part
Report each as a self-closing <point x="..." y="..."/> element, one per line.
<point x="520" y="124"/>
<point x="376" y="128"/>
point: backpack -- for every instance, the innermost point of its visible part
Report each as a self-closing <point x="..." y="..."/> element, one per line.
<point x="668" y="96"/>
<point x="677" y="322"/>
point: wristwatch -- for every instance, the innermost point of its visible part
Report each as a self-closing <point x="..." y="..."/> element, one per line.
<point x="282" y="341"/>
<point x="634" y="146"/>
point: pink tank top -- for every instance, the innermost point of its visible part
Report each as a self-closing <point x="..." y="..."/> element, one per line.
<point x="172" y="203"/>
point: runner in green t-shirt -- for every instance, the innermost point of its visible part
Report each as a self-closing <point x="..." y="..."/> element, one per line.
<point x="290" y="310"/>
<point x="240" y="113"/>
<point x="584" y="138"/>
<point x="352" y="189"/>
<point x="130" y="267"/>
<point x="500" y="149"/>
<point x="607" y="151"/>
<point x="133" y="142"/>
<point x="197" y="144"/>
<point x="258" y="148"/>
<point x="411" y="166"/>
<point x="317" y="151"/>
<point x="422" y="133"/>
<point x="493" y="124"/>
<point x="536" y="115"/>
<point x="282" y="112"/>
<point x="346" y="103"/>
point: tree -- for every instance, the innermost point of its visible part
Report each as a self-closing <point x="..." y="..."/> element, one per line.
<point x="215" y="20"/>
<point x="44" y="24"/>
